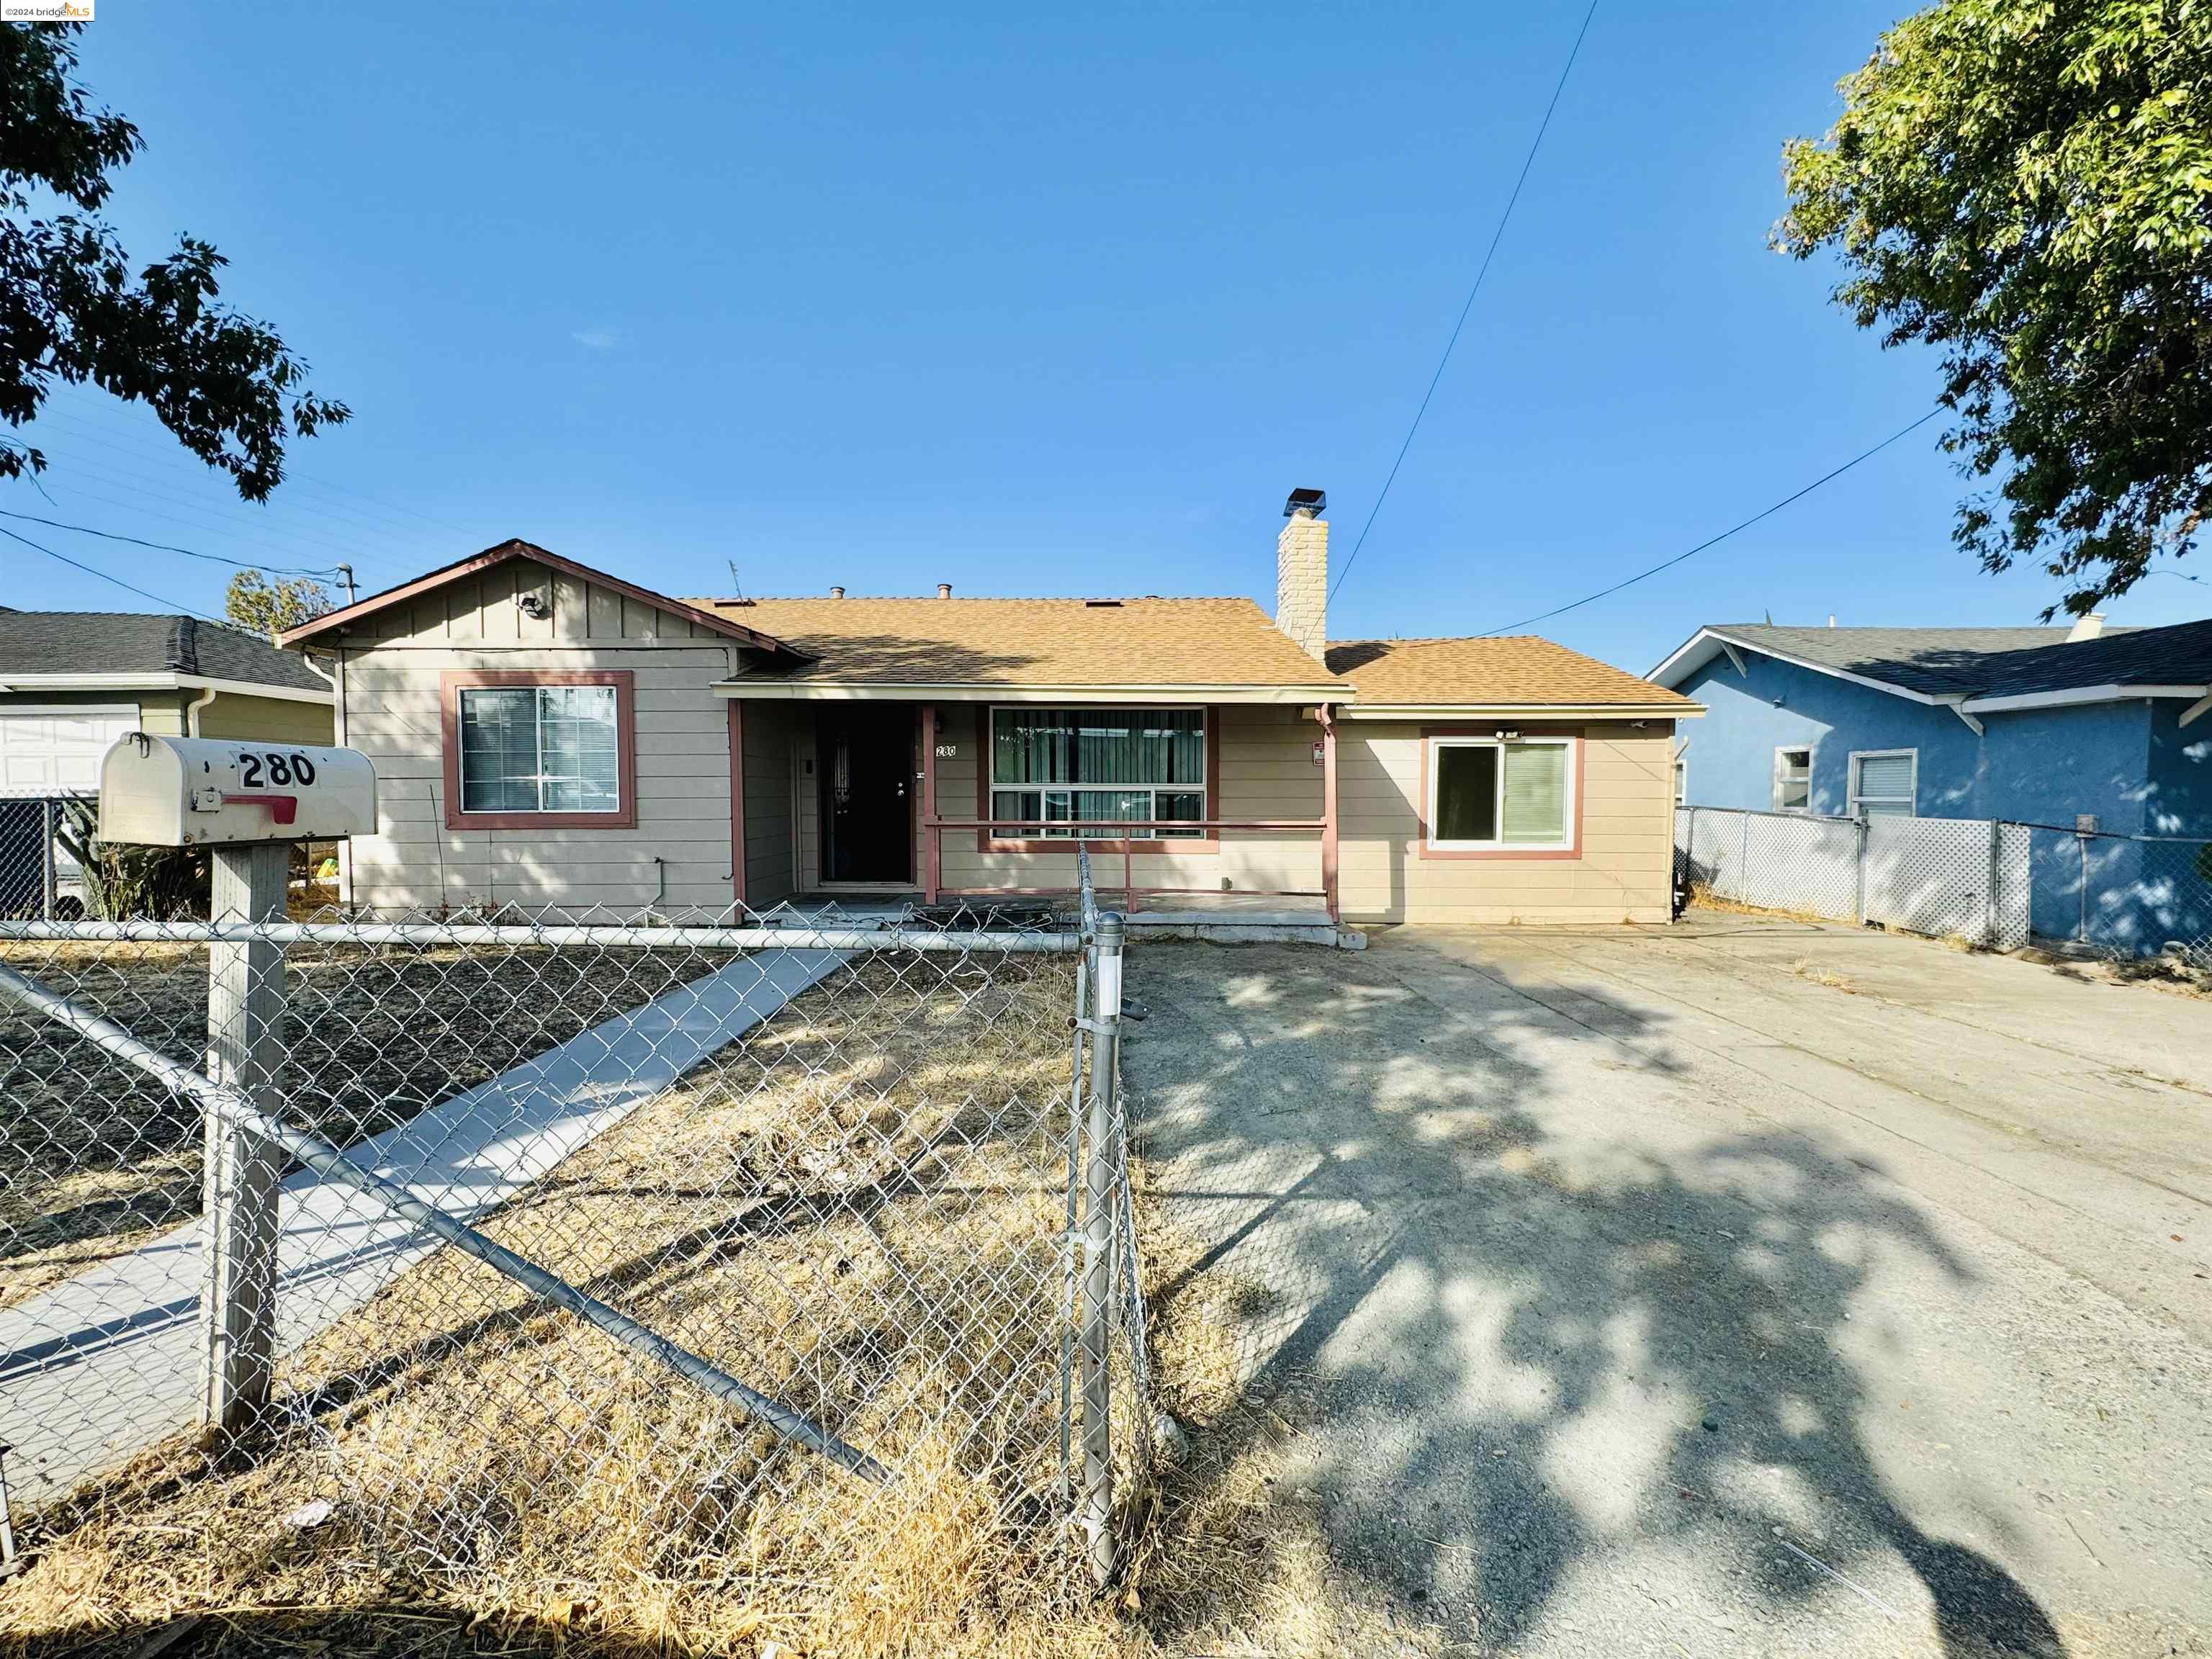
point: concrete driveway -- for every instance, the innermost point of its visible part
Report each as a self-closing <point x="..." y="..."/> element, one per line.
<point x="1744" y="1287"/>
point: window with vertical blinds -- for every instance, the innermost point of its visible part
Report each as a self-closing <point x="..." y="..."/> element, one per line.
<point x="1134" y="766"/>
<point x="1487" y="794"/>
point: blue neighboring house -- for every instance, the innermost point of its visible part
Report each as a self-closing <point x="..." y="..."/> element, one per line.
<point x="2083" y="728"/>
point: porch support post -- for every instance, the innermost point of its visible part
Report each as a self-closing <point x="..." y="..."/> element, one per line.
<point x="932" y="839"/>
<point x="737" y="804"/>
<point x="1328" y="844"/>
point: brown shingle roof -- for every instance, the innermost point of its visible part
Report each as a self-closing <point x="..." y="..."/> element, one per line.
<point x="1488" y="672"/>
<point x="1030" y="642"/>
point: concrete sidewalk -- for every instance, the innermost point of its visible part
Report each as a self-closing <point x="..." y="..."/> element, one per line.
<point x="1743" y="1288"/>
<point x="105" y="1364"/>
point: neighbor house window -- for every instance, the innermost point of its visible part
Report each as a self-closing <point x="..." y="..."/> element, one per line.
<point x="1488" y="794"/>
<point x="1137" y="766"/>
<point x="1884" y="781"/>
<point x="1681" y="783"/>
<point x="1793" y="780"/>
<point x="553" y="748"/>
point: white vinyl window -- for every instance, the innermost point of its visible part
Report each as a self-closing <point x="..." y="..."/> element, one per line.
<point x="1885" y="781"/>
<point x="1681" y="782"/>
<point x="1490" y="795"/>
<point x="1793" y="780"/>
<point x="540" y="748"/>
<point x="1135" y="766"/>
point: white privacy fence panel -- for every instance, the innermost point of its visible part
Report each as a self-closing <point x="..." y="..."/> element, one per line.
<point x="1964" y="877"/>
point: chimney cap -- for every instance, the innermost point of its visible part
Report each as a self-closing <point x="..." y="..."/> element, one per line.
<point x="1305" y="501"/>
<point x="836" y="593"/>
<point x="945" y="589"/>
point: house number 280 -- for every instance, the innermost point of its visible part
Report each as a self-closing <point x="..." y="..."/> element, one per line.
<point x="283" y="770"/>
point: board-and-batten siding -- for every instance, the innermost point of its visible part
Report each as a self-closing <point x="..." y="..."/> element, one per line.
<point x="1625" y="872"/>
<point x="1267" y="771"/>
<point x="678" y="852"/>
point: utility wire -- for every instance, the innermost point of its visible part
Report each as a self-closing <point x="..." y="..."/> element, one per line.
<point x="1714" y="541"/>
<point x="166" y="605"/>
<point x="1496" y="236"/>
<point x="171" y="547"/>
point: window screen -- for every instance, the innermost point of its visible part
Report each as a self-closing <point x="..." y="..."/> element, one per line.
<point x="1883" y="783"/>
<point x="540" y="748"/>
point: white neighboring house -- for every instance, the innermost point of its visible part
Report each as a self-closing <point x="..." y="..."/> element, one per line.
<point x="72" y="682"/>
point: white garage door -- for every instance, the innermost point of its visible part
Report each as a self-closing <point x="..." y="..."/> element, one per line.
<point x="59" y="752"/>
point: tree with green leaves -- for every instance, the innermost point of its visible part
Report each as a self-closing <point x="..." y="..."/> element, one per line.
<point x="254" y="601"/>
<point x="73" y="311"/>
<point x="2027" y="187"/>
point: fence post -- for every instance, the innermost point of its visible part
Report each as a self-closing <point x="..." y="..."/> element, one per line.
<point x="1990" y="899"/>
<point x="48" y="827"/>
<point x="246" y="1047"/>
<point x="1858" y="869"/>
<point x="2082" y="926"/>
<point x="1097" y="1505"/>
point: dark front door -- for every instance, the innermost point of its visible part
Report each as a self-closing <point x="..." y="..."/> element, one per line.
<point x="866" y="768"/>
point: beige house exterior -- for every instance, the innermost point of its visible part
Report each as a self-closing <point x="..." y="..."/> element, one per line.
<point x="548" y="734"/>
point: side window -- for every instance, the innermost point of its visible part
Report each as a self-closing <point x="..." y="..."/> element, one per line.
<point x="1885" y="781"/>
<point x="1793" y="780"/>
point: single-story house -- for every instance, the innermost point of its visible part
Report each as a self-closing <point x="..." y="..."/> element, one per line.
<point x="547" y="733"/>
<point x="71" y="681"/>
<point x="2084" y="728"/>
<point x="2036" y="724"/>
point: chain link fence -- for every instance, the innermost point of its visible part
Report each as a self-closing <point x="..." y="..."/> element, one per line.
<point x="38" y="874"/>
<point x="1992" y="881"/>
<point x="651" y="1262"/>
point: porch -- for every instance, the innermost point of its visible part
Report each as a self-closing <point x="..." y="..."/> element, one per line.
<point x="1223" y="815"/>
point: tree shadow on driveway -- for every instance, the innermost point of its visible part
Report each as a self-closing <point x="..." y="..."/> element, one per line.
<point x="1538" y="1326"/>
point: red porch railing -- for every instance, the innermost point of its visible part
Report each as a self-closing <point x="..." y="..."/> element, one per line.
<point x="1124" y="838"/>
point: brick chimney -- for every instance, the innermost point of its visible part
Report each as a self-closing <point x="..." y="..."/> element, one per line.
<point x="1302" y="572"/>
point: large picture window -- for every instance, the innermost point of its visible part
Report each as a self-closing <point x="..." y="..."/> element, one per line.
<point x="1137" y="766"/>
<point x="525" y="749"/>
<point x="1489" y="795"/>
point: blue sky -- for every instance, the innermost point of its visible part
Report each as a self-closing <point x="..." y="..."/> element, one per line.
<point x="1030" y="302"/>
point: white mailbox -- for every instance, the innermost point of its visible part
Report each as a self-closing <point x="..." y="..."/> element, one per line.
<point x="194" y="791"/>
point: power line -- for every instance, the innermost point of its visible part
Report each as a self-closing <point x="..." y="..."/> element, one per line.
<point x="171" y="547"/>
<point x="166" y="605"/>
<point x="79" y="414"/>
<point x="1713" y="541"/>
<point x="1496" y="236"/>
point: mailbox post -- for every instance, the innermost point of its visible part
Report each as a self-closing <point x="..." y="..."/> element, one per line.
<point x="246" y="802"/>
<point x="239" y="1175"/>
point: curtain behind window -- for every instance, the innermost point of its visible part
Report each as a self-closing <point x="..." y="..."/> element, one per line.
<point x="1100" y="746"/>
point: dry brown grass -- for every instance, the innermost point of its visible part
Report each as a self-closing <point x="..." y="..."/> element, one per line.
<point x="831" y="1216"/>
<point x="96" y="1160"/>
<point x="1703" y="898"/>
<point x="1813" y="973"/>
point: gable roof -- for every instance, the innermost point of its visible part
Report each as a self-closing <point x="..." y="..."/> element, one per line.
<point x="1973" y="666"/>
<point x="515" y="547"/>
<point x="1123" y="645"/>
<point x="1519" y="670"/>
<point x="116" y="645"/>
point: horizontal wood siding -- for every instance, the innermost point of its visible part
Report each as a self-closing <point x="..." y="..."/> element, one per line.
<point x="1623" y="872"/>
<point x="276" y="720"/>
<point x="678" y="851"/>
<point x="1266" y="772"/>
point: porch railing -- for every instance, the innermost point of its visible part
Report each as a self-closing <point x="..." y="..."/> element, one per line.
<point x="1124" y="835"/>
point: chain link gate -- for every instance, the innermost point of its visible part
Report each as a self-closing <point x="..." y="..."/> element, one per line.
<point x="542" y="1251"/>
